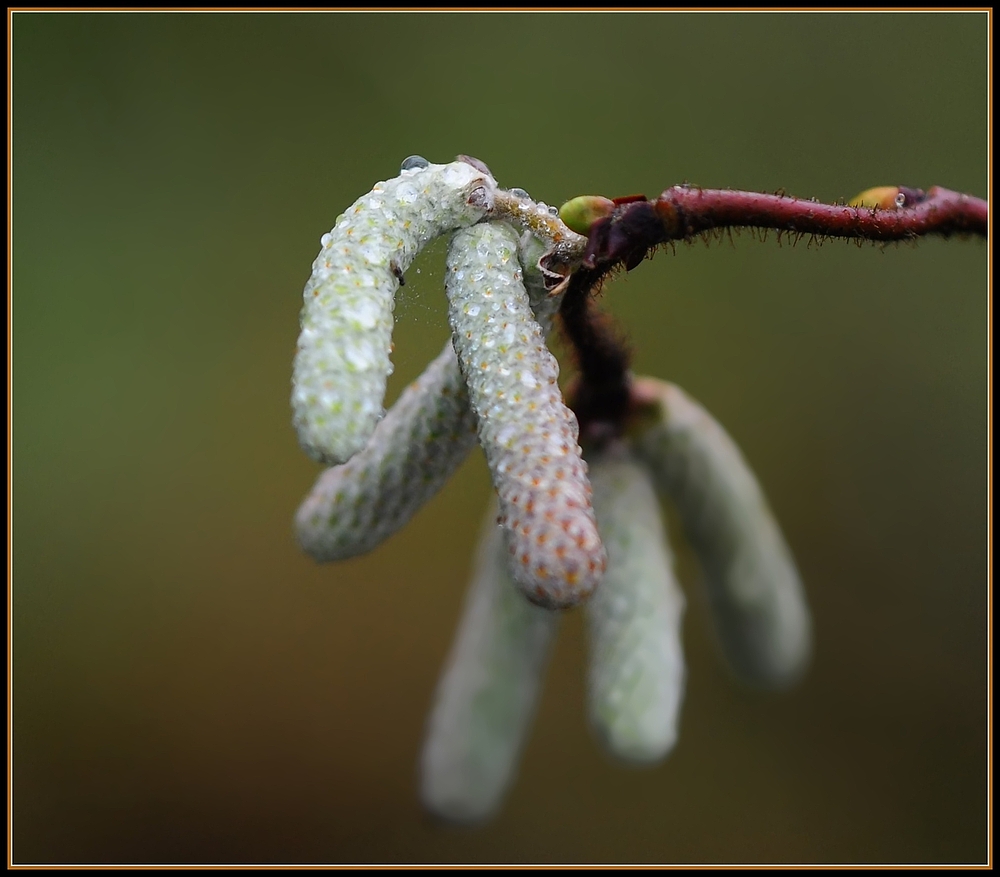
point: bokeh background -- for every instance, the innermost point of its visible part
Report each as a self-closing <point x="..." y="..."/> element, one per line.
<point x="188" y="687"/>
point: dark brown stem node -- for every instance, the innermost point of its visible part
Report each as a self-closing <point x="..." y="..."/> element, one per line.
<point x="599" y="394"/>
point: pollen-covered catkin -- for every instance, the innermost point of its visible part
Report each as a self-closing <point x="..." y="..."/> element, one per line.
<point x="342" y="360"/>
<point x="488" y="691"/>
<point x="415" y="448"/>
<point x="528" y="434"/>
<point x="753" y="586"/>
<point x="636" y="678"/>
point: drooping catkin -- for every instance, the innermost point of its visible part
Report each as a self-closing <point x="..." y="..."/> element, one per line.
<point x="342" y="360"/>
<point x="636" y="677"/>
<point x="414" y="450"/>
<point x="528" y="434"/>
<point x="753" y="586"/>
<point x="487" y="694"/>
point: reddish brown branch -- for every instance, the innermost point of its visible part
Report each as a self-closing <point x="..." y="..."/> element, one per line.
<point x="687" y="211"/>
<point x="599" y="394"/>
<point x="681" y="212"/>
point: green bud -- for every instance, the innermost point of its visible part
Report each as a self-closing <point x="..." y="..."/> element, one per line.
<point x="582" y="212"/>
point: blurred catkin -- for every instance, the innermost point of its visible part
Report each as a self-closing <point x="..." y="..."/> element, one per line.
<point x="636" y="678"/>
<point x="488" y="691"/>
<point x="753" y="586"/>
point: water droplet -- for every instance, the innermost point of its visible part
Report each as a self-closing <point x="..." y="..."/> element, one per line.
<point x="407" y="193"/>
<point x="519" y="193"/>
<point x="414" y="162"/>
<point x="475" y="162"/>
<point x="554" y="211"/>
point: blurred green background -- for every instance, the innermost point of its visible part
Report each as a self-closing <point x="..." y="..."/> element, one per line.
<point x="188" y="687"/>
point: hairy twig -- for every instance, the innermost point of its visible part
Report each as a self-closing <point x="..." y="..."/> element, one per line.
<point x="633" y="225"/>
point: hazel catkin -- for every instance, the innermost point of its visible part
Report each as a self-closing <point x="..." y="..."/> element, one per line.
<point x="528" y="434"/>
<point x="342" y="360"/>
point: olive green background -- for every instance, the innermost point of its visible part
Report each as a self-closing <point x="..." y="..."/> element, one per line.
<point x="188" y="687"/>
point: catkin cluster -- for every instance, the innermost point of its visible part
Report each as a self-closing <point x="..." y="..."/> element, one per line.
<point x="496" y="379"/>
<point x="550" y="535"/>
<point x="488" y="692"/>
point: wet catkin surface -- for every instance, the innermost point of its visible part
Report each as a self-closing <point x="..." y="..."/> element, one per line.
<point x="342" y="358"/>
<point x="528" y="434"/>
